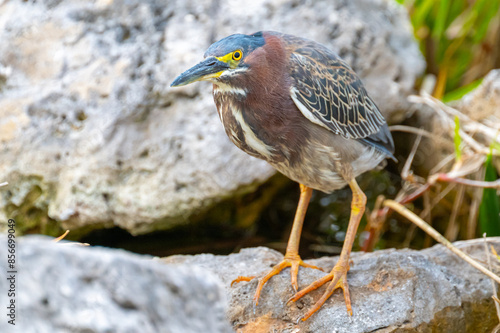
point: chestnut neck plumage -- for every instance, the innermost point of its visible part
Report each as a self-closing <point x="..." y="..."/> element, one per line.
<point x="255" y="106"/>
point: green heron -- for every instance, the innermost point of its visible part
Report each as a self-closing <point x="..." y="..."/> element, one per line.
<point x="295" y="104"/>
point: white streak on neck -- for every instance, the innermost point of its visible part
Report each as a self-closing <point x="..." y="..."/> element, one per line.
<point x="250" y="138"/>
<point x="221" y="88"/>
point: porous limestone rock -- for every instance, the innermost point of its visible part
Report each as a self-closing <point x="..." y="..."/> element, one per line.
<point x="64" y="287"/>
<point x="391" y="291"/>
<point x="484" y="101"/>
<point x="92" y="136"/>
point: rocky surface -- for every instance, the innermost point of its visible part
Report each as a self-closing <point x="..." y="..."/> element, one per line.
<point x="391" y="291"/>
<point x="92" y="136"/>
<point x="484" y="101"/>
<point x="64" y="287"/>
<point x="69" y="288"/>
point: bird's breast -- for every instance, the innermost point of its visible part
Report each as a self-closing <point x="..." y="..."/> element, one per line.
<point x="231" y="109"/>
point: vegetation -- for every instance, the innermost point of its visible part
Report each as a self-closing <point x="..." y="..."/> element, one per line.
<point x="459" y="39"/>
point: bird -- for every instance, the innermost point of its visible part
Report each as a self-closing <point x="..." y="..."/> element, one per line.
<point x="296" y="104"/>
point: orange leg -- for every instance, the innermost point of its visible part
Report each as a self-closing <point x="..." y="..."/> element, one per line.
<point x="292" y="258"/>
<point x="338" y="275"/>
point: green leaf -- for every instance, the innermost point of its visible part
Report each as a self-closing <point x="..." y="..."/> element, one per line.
<point x="457" y="140"/>
<point x="421" y="12"/>
<point x="460" y="92"/>
<point x="489" y="210"/>
<point x="485" y="10"/>
<point x="440" y="20"/>
<point x="452" y="36"/>
<point x="440" y="27"/>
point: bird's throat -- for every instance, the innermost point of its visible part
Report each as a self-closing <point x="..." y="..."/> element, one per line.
<point x="226" y="89"/>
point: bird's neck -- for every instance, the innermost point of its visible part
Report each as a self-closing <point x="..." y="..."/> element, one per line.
<point x="254" y="117"/>
<point x="224" y="90"/>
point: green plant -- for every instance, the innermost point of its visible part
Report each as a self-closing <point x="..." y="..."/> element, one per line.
<point x="489" y="210"/>
<point x="458" y="39"/>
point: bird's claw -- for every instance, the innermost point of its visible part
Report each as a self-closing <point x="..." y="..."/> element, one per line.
<point x="338" y="278"/>
<point x="292" y="261"/>
<point x="241" y="279"/>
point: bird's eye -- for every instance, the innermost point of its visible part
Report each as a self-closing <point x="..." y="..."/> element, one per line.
<point x="237" y="55"/>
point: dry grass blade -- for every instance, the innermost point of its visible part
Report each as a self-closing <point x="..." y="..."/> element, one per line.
<point x="61" y="237"/>
<point x="453" y="227"/>
<point x="473" y="213"/>
<point x="494" y="252"/>
<point x="468" y="182"/>
<point x="469" y="127"/>
<point x="405" y="173"/>
<point x="410" y="235"/>
<point x="421" y="132"/>
<point x="444" y="162"/>
<point x="58" y="239"/>
<point x="438" y="237"/>
<point x="466" y="142"/>
<point x="436" y="200"/>
<point x="427" y="205"/>
<point x="493" y="285"/>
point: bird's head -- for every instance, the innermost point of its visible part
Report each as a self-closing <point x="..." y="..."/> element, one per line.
<point x="224" y="61"/>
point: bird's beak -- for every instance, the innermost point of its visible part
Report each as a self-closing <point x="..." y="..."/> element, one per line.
<point x="209" y="68"/>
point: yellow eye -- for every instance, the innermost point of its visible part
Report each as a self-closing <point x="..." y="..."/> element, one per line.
<point x="237" y="55"/>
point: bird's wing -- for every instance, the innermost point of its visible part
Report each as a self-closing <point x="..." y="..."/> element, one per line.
<point x="330" y="94"/>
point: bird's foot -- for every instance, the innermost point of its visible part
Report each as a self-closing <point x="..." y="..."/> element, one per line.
<point x="338" y="278"/>
<point x="293" y="261"/>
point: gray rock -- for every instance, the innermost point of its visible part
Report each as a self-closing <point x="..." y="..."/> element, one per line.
<point x="391" y="291"/>
<point x="484" y="101"/>
<point x="91" y="134"/>
<point x="68" y="288"/>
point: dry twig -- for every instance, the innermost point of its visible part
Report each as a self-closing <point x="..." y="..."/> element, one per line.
<point x="58" y="239"/>
<point x="476" y="137"/>
<point x="493" y="285"/>
<point x="447" y="115"/>
<point x="55" y="240"/>
<point x="396" y="206"/>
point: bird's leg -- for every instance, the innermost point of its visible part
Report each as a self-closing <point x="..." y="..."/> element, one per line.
<point x="338" y="275"/>
<point x="292" y="258"/>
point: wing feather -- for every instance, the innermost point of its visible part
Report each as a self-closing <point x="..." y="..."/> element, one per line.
<point x="330" y="94"/>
